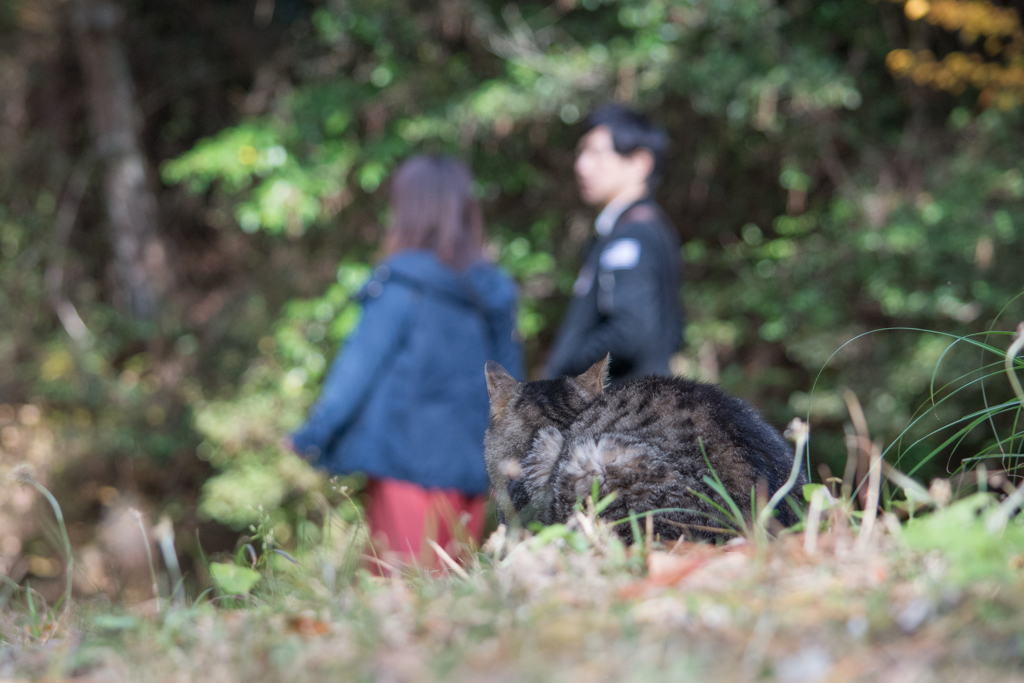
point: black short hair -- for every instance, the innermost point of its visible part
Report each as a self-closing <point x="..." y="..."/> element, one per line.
<point x="631" y="130"/>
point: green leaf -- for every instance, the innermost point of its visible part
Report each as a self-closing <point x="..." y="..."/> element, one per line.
<point x="551" y="533"/>
<point x="232" y="579"/>
<point x="809" y="490"/>
<point x="115" y="622"/>
<point x="603" y="504"/>
<point x="959" y="532"/>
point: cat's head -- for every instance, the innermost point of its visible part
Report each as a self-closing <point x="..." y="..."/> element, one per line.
<point x="521" y="410"/>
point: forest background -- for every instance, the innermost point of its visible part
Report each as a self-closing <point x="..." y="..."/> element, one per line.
<point x="191" y="190"/>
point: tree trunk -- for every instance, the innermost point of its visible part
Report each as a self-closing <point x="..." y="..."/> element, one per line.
<point x="141" y="269"/>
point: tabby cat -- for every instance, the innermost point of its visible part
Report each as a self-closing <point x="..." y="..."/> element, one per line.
<point x="549" y="440"/>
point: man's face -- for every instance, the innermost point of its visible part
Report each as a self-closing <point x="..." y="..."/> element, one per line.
<point x="602" y="173"/>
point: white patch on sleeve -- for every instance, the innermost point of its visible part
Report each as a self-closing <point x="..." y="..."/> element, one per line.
<point x="621" y="254"/>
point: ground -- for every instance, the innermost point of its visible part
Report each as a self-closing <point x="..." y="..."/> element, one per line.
<point x="935" y="599"/>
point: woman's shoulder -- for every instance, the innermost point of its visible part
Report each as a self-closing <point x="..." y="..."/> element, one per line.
<point x="492" y="284"/>
<point x="385" y="285"/>
<point x="484" y="269"/>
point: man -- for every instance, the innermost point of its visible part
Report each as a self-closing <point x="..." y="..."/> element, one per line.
<point x="625" y="301"/>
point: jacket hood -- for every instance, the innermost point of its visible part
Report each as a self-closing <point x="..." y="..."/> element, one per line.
<point x="482" y="285"/>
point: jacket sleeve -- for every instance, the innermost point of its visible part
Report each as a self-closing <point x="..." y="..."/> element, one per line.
<point x="354" y="371"/>
<point x="627" y="300"/>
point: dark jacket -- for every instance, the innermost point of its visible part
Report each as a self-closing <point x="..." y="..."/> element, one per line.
<point x="406" y="397"/>
<point x="626" y="301"/>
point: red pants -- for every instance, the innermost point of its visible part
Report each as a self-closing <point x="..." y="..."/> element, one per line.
<point x="402" y="514"/>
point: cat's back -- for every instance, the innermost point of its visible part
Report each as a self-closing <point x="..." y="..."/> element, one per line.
<point x="649" y="406"/>
<point x="679" y="419"/>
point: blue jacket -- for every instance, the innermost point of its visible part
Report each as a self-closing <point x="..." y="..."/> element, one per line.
<point x="406" y="398"/>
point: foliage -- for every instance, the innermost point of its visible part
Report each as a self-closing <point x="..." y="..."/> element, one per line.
<point x="232" y="579"/>
<point x="975" y="551"/>
<point x="768" y="306"/>
<point x="242" y="434"/>
<point x="999" y="32"/>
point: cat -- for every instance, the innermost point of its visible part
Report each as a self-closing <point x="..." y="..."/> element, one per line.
<point x="549" y="440"/>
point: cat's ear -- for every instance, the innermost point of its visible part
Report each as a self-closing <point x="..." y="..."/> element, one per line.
<point x="594" y="380"/>
<point x="500" y="386"/>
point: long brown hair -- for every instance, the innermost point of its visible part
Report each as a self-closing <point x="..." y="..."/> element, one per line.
<point x="434" y="207"/>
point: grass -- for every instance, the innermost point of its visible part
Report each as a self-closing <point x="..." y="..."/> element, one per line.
<point x="42" y="622"/>
<point x="939" y="598"/>
<point x="924" y="586"/>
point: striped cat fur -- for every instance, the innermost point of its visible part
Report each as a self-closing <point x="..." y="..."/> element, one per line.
<point x="549" y="440"/>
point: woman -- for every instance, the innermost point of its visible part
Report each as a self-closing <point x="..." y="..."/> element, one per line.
<point x="406" y="401"/>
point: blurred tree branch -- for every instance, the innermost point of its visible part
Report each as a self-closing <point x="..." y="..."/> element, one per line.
<point x="141" y="266"/>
